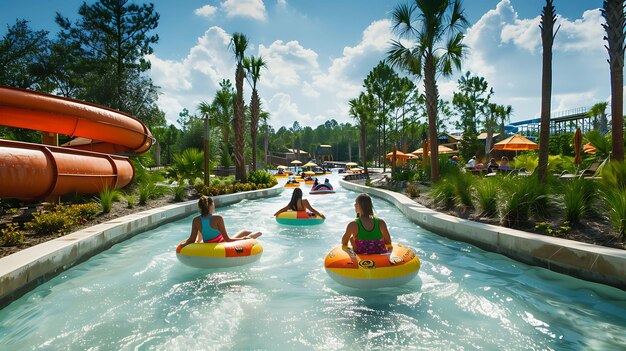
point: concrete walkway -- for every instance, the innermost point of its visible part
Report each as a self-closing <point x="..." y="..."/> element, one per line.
<point x="586" y="261"/>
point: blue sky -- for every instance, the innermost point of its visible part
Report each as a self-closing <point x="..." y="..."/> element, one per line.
<point x="319" y="52"/>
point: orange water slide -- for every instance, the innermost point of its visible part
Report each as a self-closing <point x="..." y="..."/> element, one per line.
<point x="34" y="171"/>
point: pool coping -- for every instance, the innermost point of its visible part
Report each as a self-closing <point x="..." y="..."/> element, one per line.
<point x="24" y="270"/>
<point x="581" y="260"/>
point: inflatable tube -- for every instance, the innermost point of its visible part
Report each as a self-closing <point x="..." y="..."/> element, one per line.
<point x="298" y="218"/>
<point x="394" y="268"/>
<point x="309" y="182"/>
<point x="292" y="185"/>
<point x="219" y="255"/>
<point x="279" y="175"/>
<point x="320" y="191"/>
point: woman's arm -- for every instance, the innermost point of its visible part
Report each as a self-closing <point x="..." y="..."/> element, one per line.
<point x="195" y="229"/>
<point x="351" y="231"/>
<point x="308" y="206"/>
<point x="219" y="220"/>
<point x="281" y="210"/>
<point x="383" y="229"/>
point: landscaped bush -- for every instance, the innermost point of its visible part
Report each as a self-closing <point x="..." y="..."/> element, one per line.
<point x="462" y="188"/>
<point x="403" y="174"/>
<point x="151" y="191"/>
<point x="614" y="195"/>
<point x="518" y="196"/>
<point x="61" y="218"/>
<point x="180" y="192"/>
<point x="412" y="190"/>
<point x="54" y="223"/>
<point x="578" y="197"/>
<point x="262" y="177"/>
<point x="486" y="195"/>
<point x="130" y="200"/>
<point x="615" y="201"/>
<point x="229" y="189"/>
<point x="107" y="197"/>
<point x="528" y="161"/>
<point x="12" y="235"/>
<point x="443" y="193"/>
<point x="187" y="165"/>
<point x="221" y="181"/>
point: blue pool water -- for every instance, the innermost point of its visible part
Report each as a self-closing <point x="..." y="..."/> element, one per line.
<point x="136" y="295"/>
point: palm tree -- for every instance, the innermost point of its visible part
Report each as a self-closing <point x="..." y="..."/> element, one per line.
<point x="223" y="103"/>
<point x="613" y="13"/>
<point x="491" y="120"/>
<point x="253" y="67"/>
<point x="362" y="109"/>
<point x="238" y="45"/>
<point x="207" y="111"/>
<point x="264" y="116"/>
<point x="505" y="116"/>
<point x="596" y="110"/>
<point x="436" y="28"/>
<point x="548" y="18"/>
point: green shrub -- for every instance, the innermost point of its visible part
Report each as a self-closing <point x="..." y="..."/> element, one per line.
<point x="188" y="165"/>
<point x="180" y="192"/>
<point x="528" y="161"/>
<point x="222" y="181"/>
<point x="558" y="232"/>
<point x="614" y="195"/>
<point x="107" y="197"/>
<point x="12" y="235"/>
<point x="615" y="201"/>
<point x="53" y="223"/>
<point x="262" y="177"/>
<point x="151" y="191"/>
<point x="81" y="212"/>
<point x="413" y="190"/>
<point x="443" y="193"/>
<point x="213" y="190"/>
<point x="518" y="196"/>
<point x="130" y="200"/>
<point x="403" y="174"/>
<point x="578" y="197"/>
<point x="462" y="188"/>
<point x="486" y="194"/>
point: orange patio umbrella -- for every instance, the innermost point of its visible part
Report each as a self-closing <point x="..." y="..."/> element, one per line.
<point x="516" y="143"/>
<point x="442" y="150"/>
<point x="400" y="155"/>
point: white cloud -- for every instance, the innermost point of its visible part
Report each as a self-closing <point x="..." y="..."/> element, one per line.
<point x="281" y="3"/>
<point x="287" y="63"/>
<point x="346" y="73"/>
<point x="197" y="76"/>
<point x="284" y="111"/>
<point x="205" y="11"/>
<point x="254" y="9"/>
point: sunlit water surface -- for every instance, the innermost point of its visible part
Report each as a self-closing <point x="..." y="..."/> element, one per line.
<point x="136" y="295"/>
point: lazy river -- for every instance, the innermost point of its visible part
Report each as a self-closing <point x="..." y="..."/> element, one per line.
<point x="137" y="295"/>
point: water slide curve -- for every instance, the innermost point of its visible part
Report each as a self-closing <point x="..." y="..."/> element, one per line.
<point x="85" y="165"/>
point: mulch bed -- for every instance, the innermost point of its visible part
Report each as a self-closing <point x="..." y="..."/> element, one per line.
<point x="594" y="229"/>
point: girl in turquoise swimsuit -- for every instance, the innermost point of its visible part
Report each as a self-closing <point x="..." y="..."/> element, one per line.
<point x="209" y="228"/>
<point x="367" y="234"/>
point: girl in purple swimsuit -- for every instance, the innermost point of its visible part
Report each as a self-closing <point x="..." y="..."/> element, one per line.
<point x="209" y="228"/>
<point x="367" y="234"/>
